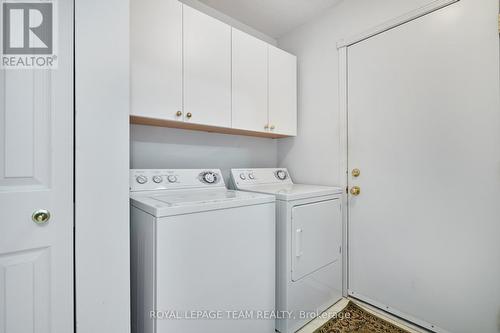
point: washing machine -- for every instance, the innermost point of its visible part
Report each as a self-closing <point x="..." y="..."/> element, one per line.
<point x="309" y="243"/>
<point x="202" y="256"/>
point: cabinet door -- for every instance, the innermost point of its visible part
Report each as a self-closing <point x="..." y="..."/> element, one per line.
<point x="207" y="69"/>
<point x="249" y="83"/>
<point x="156" y="58"/>
<point x="282" y="92"/>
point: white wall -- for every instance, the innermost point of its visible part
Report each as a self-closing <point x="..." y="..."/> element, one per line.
<point x="101" y="176"/>
<point x="313" y="156"/>
<point x="157" y="147"/>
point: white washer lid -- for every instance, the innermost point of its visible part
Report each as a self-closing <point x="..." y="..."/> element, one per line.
<point x="289" y="192"/>
<point x="167" y="203"/>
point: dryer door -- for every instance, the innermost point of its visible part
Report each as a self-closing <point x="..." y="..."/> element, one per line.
<point x="316" y="236"/>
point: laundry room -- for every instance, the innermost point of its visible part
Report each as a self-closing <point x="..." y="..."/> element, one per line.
<point x="250" y="166"/>
<point x="314" y="152"/>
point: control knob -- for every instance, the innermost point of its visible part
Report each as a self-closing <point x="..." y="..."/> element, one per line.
<point x="281" y="174"/>
<point x="209" y="177"/>
<point x="142" y="179"/>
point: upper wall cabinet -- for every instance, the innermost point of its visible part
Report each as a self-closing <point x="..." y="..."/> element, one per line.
<point x="192" y="71"/>
<point x="250" y="88"/>
<point x="264" y="86"/>
<point x="207" y="69"/>
<point x="282" y="92"/>
<point x="156" y="58"/>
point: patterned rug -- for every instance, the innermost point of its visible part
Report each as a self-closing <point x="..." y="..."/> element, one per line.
<point x="354" y="319"/>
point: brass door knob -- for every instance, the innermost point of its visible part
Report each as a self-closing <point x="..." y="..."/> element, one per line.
<point x="355" y="190"/>
<point x="356" y="172"/>
<point x="41" y="216"/>
<point x="189" y="114"/>
<point x="178" y="113"/>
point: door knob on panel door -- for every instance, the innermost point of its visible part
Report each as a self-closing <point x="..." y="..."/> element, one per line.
<point x="356" y="190"/>
<point x="356" y="172"/>
<point x="41" y="216"/>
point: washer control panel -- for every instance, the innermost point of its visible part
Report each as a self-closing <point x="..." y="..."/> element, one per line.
<point x="169" y="179"/>
<point x="244" y="177"/>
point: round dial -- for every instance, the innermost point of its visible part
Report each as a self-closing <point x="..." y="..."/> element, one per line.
<point x="251" y="176"/>
<point x="242" y="176"/>
<point x="209" y="177"/>
<point x="281" y="174"/>
<point x="157" y="179"/>
<point x="141" y="179"/>
<point x="172" y="179"/>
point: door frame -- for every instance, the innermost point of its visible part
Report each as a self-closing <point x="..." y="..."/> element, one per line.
<point x="342" y="48"/>
<point x="102" y="301"/>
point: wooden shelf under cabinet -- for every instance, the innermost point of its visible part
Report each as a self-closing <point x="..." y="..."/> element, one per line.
<point x="138" y="120"/>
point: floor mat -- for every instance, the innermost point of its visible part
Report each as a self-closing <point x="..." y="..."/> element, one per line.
<point x="354" y="319"/>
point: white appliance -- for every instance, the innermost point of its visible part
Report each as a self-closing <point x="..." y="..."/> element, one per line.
<point x="309" y="240"/>
<point x="200" y="254"/>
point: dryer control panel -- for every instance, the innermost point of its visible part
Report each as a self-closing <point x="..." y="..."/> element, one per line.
<point x="170" y="179"/>
<point x="260" y="176"/>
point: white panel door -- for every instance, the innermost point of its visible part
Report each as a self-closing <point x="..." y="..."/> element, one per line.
<point x="424" y="129"/>
<point x="249" y="83"/>
<point x="316" y="236"/>
<point x="36" y="172"/>
<point x="282" y="92"/>
<point x="207" y="69"/>
<point x="156" y="58"/>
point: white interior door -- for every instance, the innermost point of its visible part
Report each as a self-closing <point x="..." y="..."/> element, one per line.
<point x="36" y="172"/>
<point x="424" y="129"/>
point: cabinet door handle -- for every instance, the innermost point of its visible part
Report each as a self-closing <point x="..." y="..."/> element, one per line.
<point x="273" y="127"/>
<point x="189" y="115"/>
<point x="178" y="113"/>
<point x="266" y="126"/>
